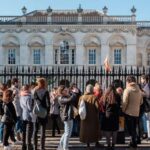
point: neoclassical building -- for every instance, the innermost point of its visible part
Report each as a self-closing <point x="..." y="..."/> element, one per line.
<point x="73" y="38"/>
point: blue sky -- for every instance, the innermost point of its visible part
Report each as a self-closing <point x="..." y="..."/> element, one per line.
<point x="116" y="7"/>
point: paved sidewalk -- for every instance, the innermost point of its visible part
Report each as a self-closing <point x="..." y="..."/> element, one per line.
<point x="74" y="144"/>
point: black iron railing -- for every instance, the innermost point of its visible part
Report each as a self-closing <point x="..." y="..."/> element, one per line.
<point x="81" y="76"/>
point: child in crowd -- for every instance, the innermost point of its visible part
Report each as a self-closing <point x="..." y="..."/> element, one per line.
<point x="8" y="119"/>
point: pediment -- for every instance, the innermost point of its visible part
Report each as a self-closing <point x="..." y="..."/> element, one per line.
<point x="117" y="44"/>
<point x="91" y="41"/>
<point x="10" y="44"/>
<point x="36" y="44"/>
<point x="91" y="44"/>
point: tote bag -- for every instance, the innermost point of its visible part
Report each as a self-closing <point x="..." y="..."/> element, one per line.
<point x="39" y="110"/>
<point x="82" y="110"/>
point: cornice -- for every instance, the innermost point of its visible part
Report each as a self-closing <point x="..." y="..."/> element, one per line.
<point x="68" y="28"/>
<point x="143" y="32"/>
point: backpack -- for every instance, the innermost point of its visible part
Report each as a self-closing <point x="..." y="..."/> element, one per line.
<point x="82" y="110"/>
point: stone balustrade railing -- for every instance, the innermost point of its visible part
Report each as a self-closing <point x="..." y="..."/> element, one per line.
<point x="143" y="24"/>
<point x="66" y="19"/>
<point x="73" y="18"/>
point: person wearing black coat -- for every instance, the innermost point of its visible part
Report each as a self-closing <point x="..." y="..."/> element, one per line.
<point x="9" y="118"/>
<point x="110" y="119"/>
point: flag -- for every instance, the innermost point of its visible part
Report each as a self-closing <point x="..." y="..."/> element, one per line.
<point x="107" y="65"/>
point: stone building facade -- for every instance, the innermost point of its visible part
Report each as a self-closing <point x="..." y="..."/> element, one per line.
<point x="73" y="38"/>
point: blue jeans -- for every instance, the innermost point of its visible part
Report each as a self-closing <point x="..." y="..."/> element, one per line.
<point x="68" y="125"/>
<point x="1" y="131"/>
<point x="144" y="125"/>
<point x="18" y="126"/>
<point x="76" y="127"/>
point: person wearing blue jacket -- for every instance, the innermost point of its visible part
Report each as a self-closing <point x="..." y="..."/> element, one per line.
<point x="26" y="103"/>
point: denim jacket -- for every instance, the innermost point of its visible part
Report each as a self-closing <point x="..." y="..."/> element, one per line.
<point x="26" y="104"/>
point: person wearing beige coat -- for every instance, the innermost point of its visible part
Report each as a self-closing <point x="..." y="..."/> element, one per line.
<point x="132" y="100"/>
<point x="89" y="127"/>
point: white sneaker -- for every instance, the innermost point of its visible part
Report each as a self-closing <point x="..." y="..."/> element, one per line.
<point x="7" y="148"/>
<point x="17" y="142"/>
<point x="1" y="143"/>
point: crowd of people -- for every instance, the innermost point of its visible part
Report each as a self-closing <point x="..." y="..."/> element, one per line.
<point x="24" y="110"/>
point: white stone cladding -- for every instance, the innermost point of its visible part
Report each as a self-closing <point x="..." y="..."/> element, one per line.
<point x="133" y="41"/>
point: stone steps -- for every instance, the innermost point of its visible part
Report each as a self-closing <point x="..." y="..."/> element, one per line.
<point x="74" y="144"/>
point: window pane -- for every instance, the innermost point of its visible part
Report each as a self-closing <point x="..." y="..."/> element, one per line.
<point x="117" y="56"/>
<point x="36" y="56"/>
<point x="11" y="56"/>
<point x="56" y="56"/>
<point x="92" y="56"/>
<point x="64" y="52"/>
<point x="73" y="56"/>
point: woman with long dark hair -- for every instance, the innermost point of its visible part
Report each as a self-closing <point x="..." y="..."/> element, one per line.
<point x="110" y="119"/>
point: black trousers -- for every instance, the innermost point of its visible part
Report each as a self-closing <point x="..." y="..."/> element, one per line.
<point x="42" y="135"/>
<point x="8" y="132"/>
<point x="131" y="123"/>
<point x="27" y="134"/>
<point x="54" y="124"/>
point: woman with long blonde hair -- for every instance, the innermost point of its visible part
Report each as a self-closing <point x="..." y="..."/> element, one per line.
<point x="41" y="95"/>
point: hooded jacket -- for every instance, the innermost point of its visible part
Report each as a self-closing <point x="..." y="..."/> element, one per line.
<point x="132" y="99"/>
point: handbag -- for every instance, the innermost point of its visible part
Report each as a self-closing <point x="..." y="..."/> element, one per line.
<point x="82" y="110"/>
<point x="39" y="110"/>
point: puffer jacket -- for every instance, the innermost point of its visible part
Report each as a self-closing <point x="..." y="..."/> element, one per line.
<point x="132" y="100"/>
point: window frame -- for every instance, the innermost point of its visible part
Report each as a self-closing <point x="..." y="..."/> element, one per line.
<point x="12" y="49"/>
<point x="120" y="50"/>
<point x="93" y="49"/>
<point x="71" y="52"/>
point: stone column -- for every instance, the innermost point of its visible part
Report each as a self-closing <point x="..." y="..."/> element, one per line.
<point x="98" y="55"/>
<point x="49" y="54"/>
<point x="104" y="52"/>
<point x="131" y="55"/>
<point x="1" y="56"/>
<point x="25" y="55"/>
<point x="80" y="55"/>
